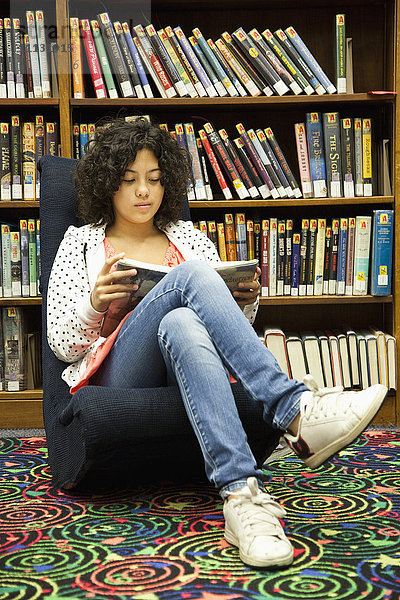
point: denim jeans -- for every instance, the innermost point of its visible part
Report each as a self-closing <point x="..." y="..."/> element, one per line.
<point x="190" y="330"/>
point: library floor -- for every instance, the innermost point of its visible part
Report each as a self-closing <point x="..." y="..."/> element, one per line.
<point x="164" y="541"/>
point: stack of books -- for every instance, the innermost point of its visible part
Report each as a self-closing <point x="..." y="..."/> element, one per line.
<point x="20" y="264"/>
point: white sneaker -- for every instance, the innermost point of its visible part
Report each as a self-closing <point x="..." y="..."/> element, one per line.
<point x="252" y="525"/>
<point x="330" y="419"/>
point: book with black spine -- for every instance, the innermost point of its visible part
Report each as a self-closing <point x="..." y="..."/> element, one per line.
<point x="3" y="72"/>
<point x="226" y="66"/>
<point x="257" y="241"/>
<point x="199" y="187"/>
<point x="273" y="256"/>
<point x="334" y="257"/>
<point x="195" y="63"/>
<point x="305" y="225"/>
<point x="75" y="141"/>
<point x="23" y="236"/>
<point x="295" y="268"/>
<point x="327" y="257"/>
<point x="212" y="233"/>
<point x="166" y="61"/>
<point x="245" y="176"/>
<point x="51" y="145"/>
<point x="347" y="150"/>
<point x="333" y="162"/>
<point x="17" y="48"/>
<point x="10" y="69"/>
<point x="16" y="158"/>
<point x="315" y="144"/>
<point x="268" y="186"/>
<point x="103" y="59"/>
<point x="215" y="63"/>
<point x="243" y="77"/>
<point x="278" y="190"/>
<point x="200" y="89"/>
<point x="120" y="71"/>
<point x="250" y="168"/>
<point x="138" y="61"/>
<point x="241" y="57"/>
<point x="282" y="161"/>
<point x="275" y="164"/>
<point x="267" y="46"/>
<point x="128" y="58"/>
<point x="204" y="169"/>
<point x="14" y="330"/>
<point x="5" y="166"/>
<point x="159" y="75"/>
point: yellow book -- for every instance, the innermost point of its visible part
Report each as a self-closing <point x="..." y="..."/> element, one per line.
<point x="76" y="58"/>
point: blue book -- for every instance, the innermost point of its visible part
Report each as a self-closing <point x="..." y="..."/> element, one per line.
<point x="315" y="143"/>
<point x="310" y="60"/>
<point x="294" y="284"/>
<point x="241" y="236"/>
<point x="382" y="252"/>
<point x="83" y="138"/>
<point x="341" y="259"/>
<point x="137" y="60"/>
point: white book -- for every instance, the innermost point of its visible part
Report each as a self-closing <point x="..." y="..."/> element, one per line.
<point x="354" y="358"/>
<point x="319" y="258"/>
<point x="361" y="255"/>
<point x="275" y="341"/>
<point x="363" y="356"/>
<point x="345" y="360"/>
<point x="326" y="358"/>
<point x="297" y="361"/>
<point x="372" y="353"/>
<point x="382" y="355"/>
<point x="313" y="357"/>
<point x="391" y="361"/>
<point x="335" y="359"/>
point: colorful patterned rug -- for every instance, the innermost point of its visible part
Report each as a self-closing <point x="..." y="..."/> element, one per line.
<point x="165" y="542"/>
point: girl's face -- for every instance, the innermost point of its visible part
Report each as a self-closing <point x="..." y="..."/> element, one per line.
<point x="140" y="194"/>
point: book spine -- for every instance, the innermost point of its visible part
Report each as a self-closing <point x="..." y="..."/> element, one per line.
<point x="165" y="61"/>
<point x="287" y="276"/>
<point x="214" y="163"/>
<point x="28" y="69"/>
<point x="226" y="161"/>
<point x="115" y="56"/>
<point x="212" y="233"/>
<point x="241" y="57"/>
<point x="342" y="254"/>
<point x="308" y="57"/>
<point x="351" y="233"/>
<point x="261" y="64"/>
<point x="31" y="29"/>
<point x="367" y="156"/>
<point x="327" y="256"/>
<point x="319" y="258"/>
<point x="199" y="187"/>
<point x="264" y="44"/>
<point x="44" y="65"/>
<point x="333" y="162"/>
<point x="23" y="229"/>
<point x="192" y="74"/>
<point x="264" y="257"/>
<point x="250" y="239"/>
<point x="28" y="160"/>
<point x="299" y="62"/>
<point x="257" y="241"/>
<point x="230" y="237"/>
<point x="38" y="261"/>
<point x="15" y="156"/>
<point x="361" y="255"/>
<point x="340" y="53"/>
<point x="53" y="70"/>
<point x="358" y="157"/>
<point x="347" y="149"/>
<point x="94" y="65"/>
<point x="83" y="138"/>
<point x="51" y="139"/>
<point x="229" y="71"/>
<point x="294" y="283"/>
<point x="221" y="242"/>
<point x="103" y="60"/>
<point x="181" y="139"/>
<point x="282" y="161"/>
<point x="315" y="142"/>
<point x="273" y="254"/>
<point x="150" y="68"/>
<point x="6" y="260"/>
<point x="14" y="356"/>
<point x="3" y="72"/>
<point x="275" y="165"/>
<point x="138" y="62"/>
<point x="178" y="64"/>
<point x="218" y="85"/>
<point x="39" y="148"/>
<point x="216" y="65"/>
<point x="303" y="160"/>
<point x="334" y="258"/>
<point x="76" y="59"/>
<point x="382" y="252"/>
<point x="305" y="225"/>
<point x="9" y="58"/>
<point x="289" y="71"/>
<point x="263" y="190"/>
<point x="16" y="289"/>
<point x="32" y="257"/>
<point x="5" y="162"/>
<point x="128" y="59"/>
<point x="277" y="190"/>
<point x="244" y="175"/>
<point x="204" y="170"/>
<point x="244" y="78"/>
<point x="268" y="185"/>
<point x="241" y="236"/>
<point x="158" y="68"/>
<point x="311" y="252"/>
<point x="194" y="61"/>
<point x="18" y="59"/>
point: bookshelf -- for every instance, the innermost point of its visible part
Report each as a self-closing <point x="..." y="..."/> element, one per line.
<point x="376" y="52"/>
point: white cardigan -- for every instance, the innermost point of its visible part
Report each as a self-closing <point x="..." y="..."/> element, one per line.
<point x="73" y="326"/>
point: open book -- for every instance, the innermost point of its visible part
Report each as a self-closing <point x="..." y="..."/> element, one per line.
<point x="148" y="275"/>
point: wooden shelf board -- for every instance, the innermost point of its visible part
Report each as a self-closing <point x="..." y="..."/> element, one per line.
<point x="233" y="204"/>
<point x="31" y="301"/>
<point x="235" y="102"/>
<point x="19" y="204"/>
<point x="321" y="300"/>
<point x="12" y="102"/>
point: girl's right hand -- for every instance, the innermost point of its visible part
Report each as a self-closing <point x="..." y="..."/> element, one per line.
<point x="109" y="285"/>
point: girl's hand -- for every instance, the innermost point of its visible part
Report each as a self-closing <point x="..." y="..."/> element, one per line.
<point x="109" y="285"/>
<point x="249" y="290"/>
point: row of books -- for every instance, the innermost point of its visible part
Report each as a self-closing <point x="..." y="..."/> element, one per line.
<point x="314" y="257"/>
<point x="22" y="144"/>
<point x="142" y="61"/>
<point x="20" y="259"/>
<point x="351" y="359"/>
<point x="28" y="67"/>
<point x="20" y="353"/>
<point x="334" y="155"/>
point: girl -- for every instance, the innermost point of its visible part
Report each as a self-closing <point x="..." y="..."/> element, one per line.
<point x="189" y="329"/>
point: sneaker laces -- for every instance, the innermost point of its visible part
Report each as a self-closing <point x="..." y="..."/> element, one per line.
<point x="247" y="503"/>
<point x="323" y="402"/>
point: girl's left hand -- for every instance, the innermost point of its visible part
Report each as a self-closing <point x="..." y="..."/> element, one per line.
<point x="249" y="290"/>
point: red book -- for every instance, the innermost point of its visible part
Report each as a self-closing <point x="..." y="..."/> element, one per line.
<point x="153" y="58"/>
<point x="94" y="65"/>
<point x="214" y="163"/>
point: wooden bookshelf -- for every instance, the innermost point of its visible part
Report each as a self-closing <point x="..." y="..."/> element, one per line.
<point x="376" y="53"/>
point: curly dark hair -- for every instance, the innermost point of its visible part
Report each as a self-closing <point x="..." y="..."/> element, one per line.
<point x="100" y="171"/>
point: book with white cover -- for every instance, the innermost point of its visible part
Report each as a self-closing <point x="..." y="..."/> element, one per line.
<point x="313" y="357"/>
<point x="275" y="341"/>
<point x="295" y="352"/>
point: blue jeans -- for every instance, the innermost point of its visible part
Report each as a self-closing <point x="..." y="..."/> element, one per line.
<point x="190" y="330"/>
